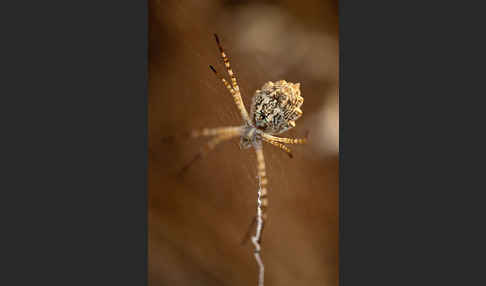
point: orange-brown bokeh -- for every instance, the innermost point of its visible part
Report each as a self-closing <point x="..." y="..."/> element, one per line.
<point x="196" y="223"/>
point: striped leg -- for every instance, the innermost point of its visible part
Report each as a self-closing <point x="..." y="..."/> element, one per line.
<point x="227" y="64"/>
<point x="262" y="204"/>
<point x="254" y="221"/>
<point x="285" y="140"/>
<point x="236" y="96"/>
<point x="225" y="82"/>
<point x="279" y="145"/>
<point x="199" y="133"/>
<point x="234" y="83"/>
<point x="210" y="145"/>
<point x="216" y="131"/>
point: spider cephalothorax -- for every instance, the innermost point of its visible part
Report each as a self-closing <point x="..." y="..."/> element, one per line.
<point x="250" y="136"/>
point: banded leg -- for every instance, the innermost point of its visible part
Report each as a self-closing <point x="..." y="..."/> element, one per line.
<point x="262" y="204"/>
<point x="227" y="64"/>
<point x="225" y="82"/>
<point x="279" y="145"/>
<point x="234" y="83"/>
<point x="199" y="133"/>
<point x="253" y="222"/>
<point x="210" y="145"/>
<point x="216" y="131"/>
<point x="236" y="96"/>
<point x="285" y="140"/>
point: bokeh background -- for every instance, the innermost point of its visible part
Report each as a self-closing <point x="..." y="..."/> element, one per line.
<point x="197" y="222"/>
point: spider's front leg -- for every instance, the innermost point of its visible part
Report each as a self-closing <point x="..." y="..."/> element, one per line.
<point x="236" y="96"/>
<point x="234" y="89"/>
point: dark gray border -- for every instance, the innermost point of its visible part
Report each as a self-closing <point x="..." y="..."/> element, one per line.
<point x="74" y="105"/>
<point x="411" y="205"/>
<point x="74" y="153"/>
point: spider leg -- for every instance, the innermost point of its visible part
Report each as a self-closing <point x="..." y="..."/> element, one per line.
<point x="262" y="202"/>
<point x="236" y="96"/>
<point x="234" y="83"/>
<point x="286" y="140"/>
<point x="263" y="180"/>
<point x="279" y="145"/>
<point x="210" y="145"/>
<point x="227" y="64"/>
<point x="216" y="131"/>
<point x="225" y="82"/>
<point x="200" y="133"/>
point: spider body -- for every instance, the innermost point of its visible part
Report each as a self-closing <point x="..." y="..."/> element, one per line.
<point x="276" y="106"/>
<point x="274" y="109"/>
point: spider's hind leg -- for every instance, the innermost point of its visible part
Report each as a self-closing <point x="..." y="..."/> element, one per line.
<point x="234" y="89"/>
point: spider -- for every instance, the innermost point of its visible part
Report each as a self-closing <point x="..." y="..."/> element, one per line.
<point x="274" y="109"/>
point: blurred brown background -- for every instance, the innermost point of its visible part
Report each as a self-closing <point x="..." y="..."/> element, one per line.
<point x="196" y="223"/>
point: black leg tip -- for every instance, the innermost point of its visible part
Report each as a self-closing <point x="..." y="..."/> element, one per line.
<point x="213" y="69"/>
<point x="217" y="42"/>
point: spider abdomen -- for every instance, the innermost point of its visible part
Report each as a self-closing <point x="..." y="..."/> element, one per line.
<point x="276" y="106"/>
